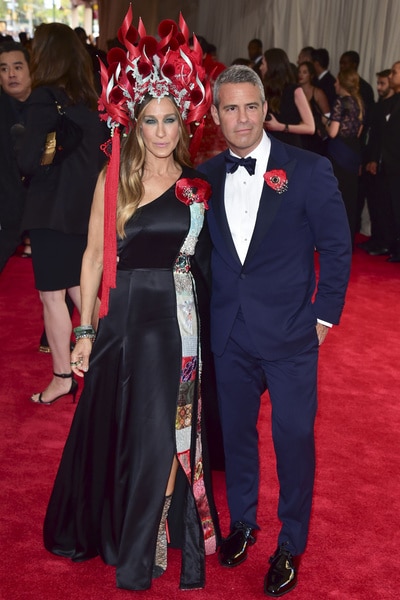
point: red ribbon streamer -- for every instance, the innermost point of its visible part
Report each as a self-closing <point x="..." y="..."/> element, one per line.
<point x="110" y="224"/>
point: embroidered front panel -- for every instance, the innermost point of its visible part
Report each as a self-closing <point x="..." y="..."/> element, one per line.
<point x="190" y="376"/>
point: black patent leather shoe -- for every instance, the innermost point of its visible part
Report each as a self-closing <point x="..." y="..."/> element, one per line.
<point x="282" y="574"/>
<point x="233" y="550"/>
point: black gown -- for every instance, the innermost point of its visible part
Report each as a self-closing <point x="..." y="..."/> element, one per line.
<point x="289" y="114"/>
<point x="140" y="406"/>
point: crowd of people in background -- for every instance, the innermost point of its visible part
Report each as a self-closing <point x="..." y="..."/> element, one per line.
<point x="335" y="116"/>
<point x="356" y="133"/>
<point x="332" y="115"/>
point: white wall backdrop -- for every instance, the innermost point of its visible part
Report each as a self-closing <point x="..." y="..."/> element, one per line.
<point x="371" y="27"/>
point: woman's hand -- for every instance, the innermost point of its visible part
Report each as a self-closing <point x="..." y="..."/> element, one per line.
<point x="273" y="124"/>
<point x="80" y="356"/>
<point x="332" y="127"/>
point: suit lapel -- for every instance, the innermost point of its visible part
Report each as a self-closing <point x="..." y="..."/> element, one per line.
<point x="270" y="200"/>
<point x="218" y="205"/>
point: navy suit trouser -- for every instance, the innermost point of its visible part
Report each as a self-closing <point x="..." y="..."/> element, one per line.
<point x="242" y="377"/>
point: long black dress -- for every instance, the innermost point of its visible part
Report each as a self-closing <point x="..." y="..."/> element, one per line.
<point x="288" y="113"/>
<point x="140" y="406"/>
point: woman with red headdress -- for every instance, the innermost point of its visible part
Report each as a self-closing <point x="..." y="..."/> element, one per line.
<point x="135" y="455"/>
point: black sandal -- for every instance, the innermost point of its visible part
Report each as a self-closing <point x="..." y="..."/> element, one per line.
<point x="73" y="390"/>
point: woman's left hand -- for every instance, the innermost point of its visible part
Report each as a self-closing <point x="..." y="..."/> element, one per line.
<point x="80" y="356"/>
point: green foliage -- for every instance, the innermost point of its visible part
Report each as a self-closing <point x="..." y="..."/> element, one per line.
<point x="25" y="15"/>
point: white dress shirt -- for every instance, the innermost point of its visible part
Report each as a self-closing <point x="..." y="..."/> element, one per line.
<point x="242" y="197"/>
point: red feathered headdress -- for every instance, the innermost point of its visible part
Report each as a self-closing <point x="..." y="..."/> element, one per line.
<point x="159" y="67"/>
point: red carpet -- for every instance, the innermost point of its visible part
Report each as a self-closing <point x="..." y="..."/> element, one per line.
<point x="353" y="548"/>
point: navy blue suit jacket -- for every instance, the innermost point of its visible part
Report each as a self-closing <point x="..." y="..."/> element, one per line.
<point x="275" y="287"/>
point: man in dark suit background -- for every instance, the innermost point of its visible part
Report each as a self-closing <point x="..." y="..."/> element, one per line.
<point x="350" y="61"/>
<point x="325" y="79"/>
<point x="255" y="51"/>
<point x="379" y="207"/>
<point x="15" y="82"/>
<point x="385" y="157"/>
<point x="265" y="225"/>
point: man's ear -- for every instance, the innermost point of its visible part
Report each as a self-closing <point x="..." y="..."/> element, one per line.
<point x="265" y="109"/>
<point x="215" y="115"/>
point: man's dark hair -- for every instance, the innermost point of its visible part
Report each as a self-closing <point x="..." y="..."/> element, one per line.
<point x="205" y="46"/>
<point x="14" y="47"/>
<point x="309" y="49"/>
<point x="256" y="41"/>
<point x="353" y="56"/>
<point x="321" y="56"/>
<point x="384" y="73"/>
<point x="81" y="33"/>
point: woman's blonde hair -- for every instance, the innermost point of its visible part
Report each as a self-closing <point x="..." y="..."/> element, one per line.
<point x="133" y="155"/>
<point x="349" y="80"/>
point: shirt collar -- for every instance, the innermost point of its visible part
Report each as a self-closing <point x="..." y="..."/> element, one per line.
<point x="263" y="149"/>
<point x="260" y="153"/>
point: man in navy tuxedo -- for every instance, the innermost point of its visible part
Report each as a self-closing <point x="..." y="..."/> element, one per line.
<point x="266" y="324"/>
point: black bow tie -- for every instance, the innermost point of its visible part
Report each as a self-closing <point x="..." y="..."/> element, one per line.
<point x="234" y="162"/>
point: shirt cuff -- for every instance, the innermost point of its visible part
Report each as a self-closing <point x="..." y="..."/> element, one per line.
<point x="324" y="323"/>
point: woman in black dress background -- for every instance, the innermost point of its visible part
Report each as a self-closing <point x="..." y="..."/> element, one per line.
<point x="59" y="195"/>
<point x="289" y="115"/>
<point x="319" y="106"/>
<point x="135" y="454"/>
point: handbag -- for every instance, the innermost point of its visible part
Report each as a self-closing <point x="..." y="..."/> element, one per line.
<point x="64" y="140"/>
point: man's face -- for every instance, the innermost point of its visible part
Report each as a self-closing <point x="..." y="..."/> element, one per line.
<point x="394" y="77"/>
<point x="241" y="114"/>
<point x="383" y="87"/>
<point x="14" y="75"/>
<point x="346" y="64"/>
<point x="254" y="50"/>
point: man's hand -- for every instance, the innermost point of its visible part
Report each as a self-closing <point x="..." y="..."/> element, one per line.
<point x="322" y="331"/>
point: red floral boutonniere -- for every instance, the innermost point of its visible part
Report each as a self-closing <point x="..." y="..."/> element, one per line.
<point x="193" y="190"/>
<point x="277" y="180"/>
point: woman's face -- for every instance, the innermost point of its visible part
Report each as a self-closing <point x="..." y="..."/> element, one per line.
<point x="338" y="87"/>
<point x="160" y="127"/>
<point x="263" y="67"/>
<point x="303" y="75"/>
